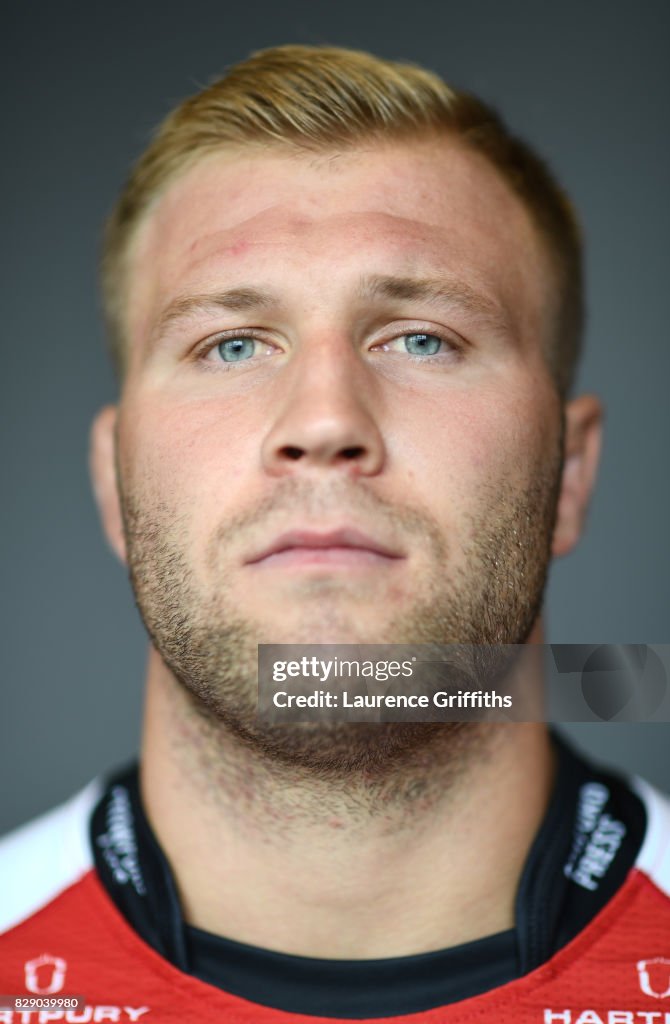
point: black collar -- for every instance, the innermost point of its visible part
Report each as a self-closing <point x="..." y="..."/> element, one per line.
<point x="581" y="855"/>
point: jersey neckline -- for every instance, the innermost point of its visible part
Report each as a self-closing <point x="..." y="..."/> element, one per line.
<point x="581" y="855"/>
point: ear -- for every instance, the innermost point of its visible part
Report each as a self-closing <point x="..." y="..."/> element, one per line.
<point x="583" y="433"/>
<point x="102" y="465"/>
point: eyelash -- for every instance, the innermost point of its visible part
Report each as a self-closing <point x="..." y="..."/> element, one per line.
<point x="455" y="349"/>
<point x="452" y="347"/>
<point x="213" y="343"/>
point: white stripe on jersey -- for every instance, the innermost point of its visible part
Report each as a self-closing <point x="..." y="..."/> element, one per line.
<point x="654" y="856"/>
<point x="41" y="859"/>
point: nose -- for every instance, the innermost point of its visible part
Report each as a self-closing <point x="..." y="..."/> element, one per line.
<point x="325" y="417"/>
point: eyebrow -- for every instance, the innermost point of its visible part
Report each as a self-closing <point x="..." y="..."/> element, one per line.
<point x="237" y="300"/>
<point x="434" y="291"/>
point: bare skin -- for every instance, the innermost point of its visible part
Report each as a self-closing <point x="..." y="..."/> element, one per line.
<point x="452" y="461"/>
<point x="296" y="867"/>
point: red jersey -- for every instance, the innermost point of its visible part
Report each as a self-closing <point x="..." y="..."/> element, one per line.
<point x="64" y="934"/>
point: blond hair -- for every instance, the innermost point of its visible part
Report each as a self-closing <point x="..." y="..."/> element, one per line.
<point x="321" y="98"/>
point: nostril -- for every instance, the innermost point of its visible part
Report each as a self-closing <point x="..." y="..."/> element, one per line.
<point x="291" y="453"/>
<point x="294" y="453"/>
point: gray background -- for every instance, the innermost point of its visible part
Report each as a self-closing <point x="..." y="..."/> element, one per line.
<point x="586" y="82"/>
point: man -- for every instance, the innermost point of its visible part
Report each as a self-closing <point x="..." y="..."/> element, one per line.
<point x="345" y="305"/>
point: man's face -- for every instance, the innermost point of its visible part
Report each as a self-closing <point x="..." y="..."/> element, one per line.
<point x="337" y="423"/>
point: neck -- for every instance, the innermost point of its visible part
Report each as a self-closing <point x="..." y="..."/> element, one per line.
<point x="426" y="857"/>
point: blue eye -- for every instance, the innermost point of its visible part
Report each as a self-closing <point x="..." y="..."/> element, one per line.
<point x="235" y="350"/>
<point x="422" y="344"/>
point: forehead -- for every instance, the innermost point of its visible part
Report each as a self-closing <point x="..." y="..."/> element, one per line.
<point x="311" y="225"/>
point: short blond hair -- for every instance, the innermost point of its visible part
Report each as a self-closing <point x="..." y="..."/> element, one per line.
<point x="318" y="98"/>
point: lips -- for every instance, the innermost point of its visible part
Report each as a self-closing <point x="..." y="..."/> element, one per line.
<point x="341" y="541"/>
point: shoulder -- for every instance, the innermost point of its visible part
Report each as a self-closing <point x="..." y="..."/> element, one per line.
<point x="43" y="858"/>
<point x="653" y="859"/>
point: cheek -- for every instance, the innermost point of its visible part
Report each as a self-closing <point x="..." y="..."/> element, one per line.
<point x="466" y="443"/>
<point x="185" y="454"/>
